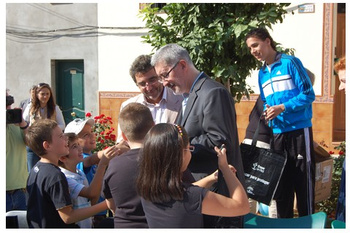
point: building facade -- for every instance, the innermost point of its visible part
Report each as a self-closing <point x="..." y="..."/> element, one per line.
<point x="84" y="51"/>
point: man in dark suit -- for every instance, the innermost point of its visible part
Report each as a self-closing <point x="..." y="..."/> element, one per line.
<point x="208" y="115"/>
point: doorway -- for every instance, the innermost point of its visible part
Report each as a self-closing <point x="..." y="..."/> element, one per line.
<point x="70" y="88"/>
<point x="339" y="96"/>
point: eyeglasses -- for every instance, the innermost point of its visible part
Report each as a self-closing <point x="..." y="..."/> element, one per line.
<point x="151" y="81"/>
<point x="166" y="75"/>
<point x="43" y="84"/>
<point x="190" y="148"/>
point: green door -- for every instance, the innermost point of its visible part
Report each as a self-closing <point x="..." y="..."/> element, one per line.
<point x="70" y="88"/>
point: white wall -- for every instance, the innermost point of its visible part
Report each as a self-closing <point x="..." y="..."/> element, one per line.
<point x="304" y="33"/>
<point x="119" y="48"/>
<point x="301" y="31"/>
<point x="28" y="59"/>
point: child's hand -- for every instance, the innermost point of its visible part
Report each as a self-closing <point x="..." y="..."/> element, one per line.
<point x="123" y="146"/>
<point x="108" y="154"/>
<point x="222" y="158"/>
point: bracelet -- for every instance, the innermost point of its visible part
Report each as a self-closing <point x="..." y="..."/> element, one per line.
<point x="24" y="126"/>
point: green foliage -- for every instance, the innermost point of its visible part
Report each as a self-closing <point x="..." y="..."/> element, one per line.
<point x="214" y="34"/>
<point x="341" y="147"/>
<point x="329" y="206"/>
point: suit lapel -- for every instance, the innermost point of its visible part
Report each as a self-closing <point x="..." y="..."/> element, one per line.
<point x="179" y="118"/>
<point x="173" y="106"/>
<point x="192" y="98"/>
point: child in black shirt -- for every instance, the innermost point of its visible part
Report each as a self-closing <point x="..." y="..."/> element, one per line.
<point x="49" y="203"/>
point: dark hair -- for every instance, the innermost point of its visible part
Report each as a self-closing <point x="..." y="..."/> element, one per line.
<point x="142" y="64"/>
<point x="9" y="100"/>
<point x="37" y="133"/>
<point x="51" y="105"/>
<point x="159" y="178"/>
<point x="71" y="138"/>
<point x="135" y="120"/>
<point x="262" y="34"/>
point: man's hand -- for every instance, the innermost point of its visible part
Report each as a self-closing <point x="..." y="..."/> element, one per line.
<point x="273" y="111"/>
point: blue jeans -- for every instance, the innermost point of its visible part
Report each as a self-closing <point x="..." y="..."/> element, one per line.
<point x="16" y="200"/>
<point x="32" y="158"/>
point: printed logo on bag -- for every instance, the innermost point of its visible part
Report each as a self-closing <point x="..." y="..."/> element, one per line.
<point x="250" y="190"/>
<point x="252" y="177"/>
<point x="257" y="167"/>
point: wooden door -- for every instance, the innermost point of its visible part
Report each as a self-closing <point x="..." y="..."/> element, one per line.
<point x="339" y="96"/>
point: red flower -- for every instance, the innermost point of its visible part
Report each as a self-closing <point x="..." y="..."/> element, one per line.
<point x="88" y="114"/>
<point x="341" y="152"/>
<point x="331" y="152"/>
<point x="104" y="132"/>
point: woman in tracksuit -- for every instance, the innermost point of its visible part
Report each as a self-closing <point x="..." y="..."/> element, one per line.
<point x="287" y="93"/>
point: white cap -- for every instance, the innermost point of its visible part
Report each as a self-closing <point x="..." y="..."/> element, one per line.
<point x="77" y="125"/>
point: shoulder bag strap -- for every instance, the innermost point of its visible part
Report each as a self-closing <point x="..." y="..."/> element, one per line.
<point x="256" y="133"/>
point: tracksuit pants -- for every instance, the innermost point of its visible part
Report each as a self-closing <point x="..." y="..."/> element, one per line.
<point x="299" y="173"/>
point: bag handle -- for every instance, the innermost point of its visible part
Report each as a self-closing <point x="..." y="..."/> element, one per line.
<point x="256" y="134"/>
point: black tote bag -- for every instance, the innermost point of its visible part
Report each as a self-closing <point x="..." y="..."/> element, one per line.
<point x="263" y="169"/>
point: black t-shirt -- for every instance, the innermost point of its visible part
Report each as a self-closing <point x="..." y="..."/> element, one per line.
<point x="48" y="191"/>
<point x="119" y="184"/>
<point x="177" y="214"/>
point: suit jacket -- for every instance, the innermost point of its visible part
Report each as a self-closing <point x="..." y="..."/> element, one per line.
<point x="173" y="106"/>
<point x="210" y="120"/>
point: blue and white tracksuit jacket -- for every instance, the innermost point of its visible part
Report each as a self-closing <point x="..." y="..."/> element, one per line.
<point x="287" y="83"/>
